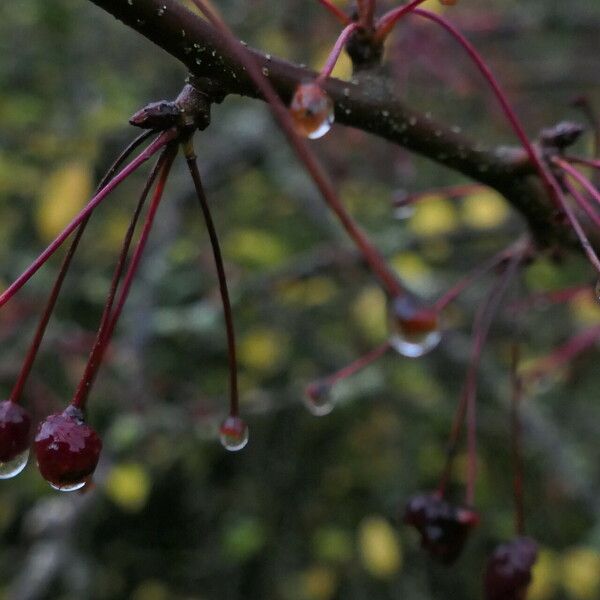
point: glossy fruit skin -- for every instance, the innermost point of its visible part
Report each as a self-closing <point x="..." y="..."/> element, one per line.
<point x="311" y="110"/>
<point x="66" y="448"/>
<point x="508" y="571"/>
<point x="15" y="424"/>
<point x="444" y="527"/>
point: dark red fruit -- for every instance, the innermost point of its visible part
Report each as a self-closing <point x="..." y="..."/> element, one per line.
<point x="67" y="449"/>
<point x="444" y="527"/>
<point x="15" y="424"/>
<point x="508" y="572"/>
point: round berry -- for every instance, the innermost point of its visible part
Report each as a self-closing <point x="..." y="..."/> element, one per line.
<point x="67" y="449"/>
<point x="233" y="433"/>
<point x="508" y="572"/>
<point x="415" y="329"/>
<point x="311" y="110"/>
<point x="444" y="527"/>
<point x="15" y="424"/>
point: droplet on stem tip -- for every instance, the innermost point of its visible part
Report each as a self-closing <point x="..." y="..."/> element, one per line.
<point x="311" y="110"/>
<point x="233" y="433"/>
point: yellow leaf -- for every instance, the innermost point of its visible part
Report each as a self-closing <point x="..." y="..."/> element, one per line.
<point x="380" y="550"/>
<point x="370" y="312"/>
<point x="263" y="349"/>
<point x="312" y="291"/>
<point x="545" y="577"/>
<point x="128" y="486"/>
<point x="585" y="309"/>
<point x="65" y="193"/>
<point x="320" y="583"/>
<point x="581" y="573"/>
<point x="255" y="247"/>
<point x="485" y="209"/>
<point x="434" y="216"/>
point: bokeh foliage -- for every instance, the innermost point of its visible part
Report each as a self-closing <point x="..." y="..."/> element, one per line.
<point x="310" y="510"/>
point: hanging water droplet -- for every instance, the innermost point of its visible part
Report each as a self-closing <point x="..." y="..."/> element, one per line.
<point x="318" y="398"/>
<point x="14" y="466"/>
<point x="68" y="487"/>
<point x="312" y="110"/>
<point x="233" y="433"/>
<point x="160" y="11"/>
<point x="415" y="329"/>
<point x="597" y="290"/>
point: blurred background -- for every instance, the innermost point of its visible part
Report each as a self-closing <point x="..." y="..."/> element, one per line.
<point x="311" y="508"/>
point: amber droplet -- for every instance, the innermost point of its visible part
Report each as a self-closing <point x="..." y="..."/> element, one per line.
<point x="415" y="329"/>
<point x="311" y="110"/>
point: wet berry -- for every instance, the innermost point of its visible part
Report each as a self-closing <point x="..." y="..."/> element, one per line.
<point x="415" y="329"/>
<point x="508" y="571"/>
<point x="318" y="398"/>
<point x="233" y="433"/>
<point x="67" y="449"/>
<point x="444" y="527"/>
<point x="311" y="110"/>
<point x="15" y="424"/>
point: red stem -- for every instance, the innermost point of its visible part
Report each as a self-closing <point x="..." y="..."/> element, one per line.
<point x="452" y="192"/>
<point x="563" y="354"/>
<point x="376" y="262"/>
<point x="85" y="385"/>
<point x="467" y="405"/>
<point x="339" y="14"/>
<point x="216" y="249"/>
<point x="583" y="203"/>
<point x="387" y="22"/>
<point x="14" y="287"/>
<point x="357" y="365"/>
<point x="336" y="51"/>
<point x="93" y="360"/>
<point x="33" y="349"/>
<point x="579" y="177"/>
<point x="595" y="164"/>
<point x="516" y="441"/>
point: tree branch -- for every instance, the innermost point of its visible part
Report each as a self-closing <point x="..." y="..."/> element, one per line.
<point x="367" y="103"/>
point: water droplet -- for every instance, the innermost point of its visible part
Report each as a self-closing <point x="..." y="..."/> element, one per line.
<point x="233" y="433"/>
<point x="318" y="398"/>
<point x="14" y="466"/>
<point x="415" y="329"/>
<point x="161" y="10"/>
<point x="198" y="60"/>
<point x="68" y="487"/>
<point x="312" y="111"/>
<point x="265" y="71"/>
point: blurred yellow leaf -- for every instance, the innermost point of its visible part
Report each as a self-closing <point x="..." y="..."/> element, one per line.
<point x="545" y="577"/>
<point x="255" y="247"/>
<point x="585" y="309"/>
<point x="320" y="583"/>
<point x="312" y="291"/>
<point x="379" y="547"/>
<point x="343" y="66"/>
<point x="412" y="269"/>
<point x="370" y="312"/>
<point x="151" y="589"/>
<point x="65" y="193"/>
<point x="433" y="6"/>
<point x="485" y="209"/>
<point x="128" y="486"/>
<point x="263" y="349"/>
<point x="434" y="216"/>
<point x="581" y="573"/>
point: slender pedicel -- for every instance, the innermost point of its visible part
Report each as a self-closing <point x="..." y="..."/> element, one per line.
<point x="338" y="13"/>
<point x="466" y="407"/>
<point x="376" y="262"/>
<point x="318" y="393"/>
<point x="588" y="162"/>
<point x="83" y="390"/>
<point x="17" y="390"/>
<point x="336" y="51"/>
<point x="388" y="21"/>
<point x="218" y="258"/>
<point x="93" y="361"/>
<point x="11" y="290"/>
<point x="562" y="355"/>
<point x="582" y="201"/>
<point x="516" y="441"/>
<point x="579" y="177"/>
